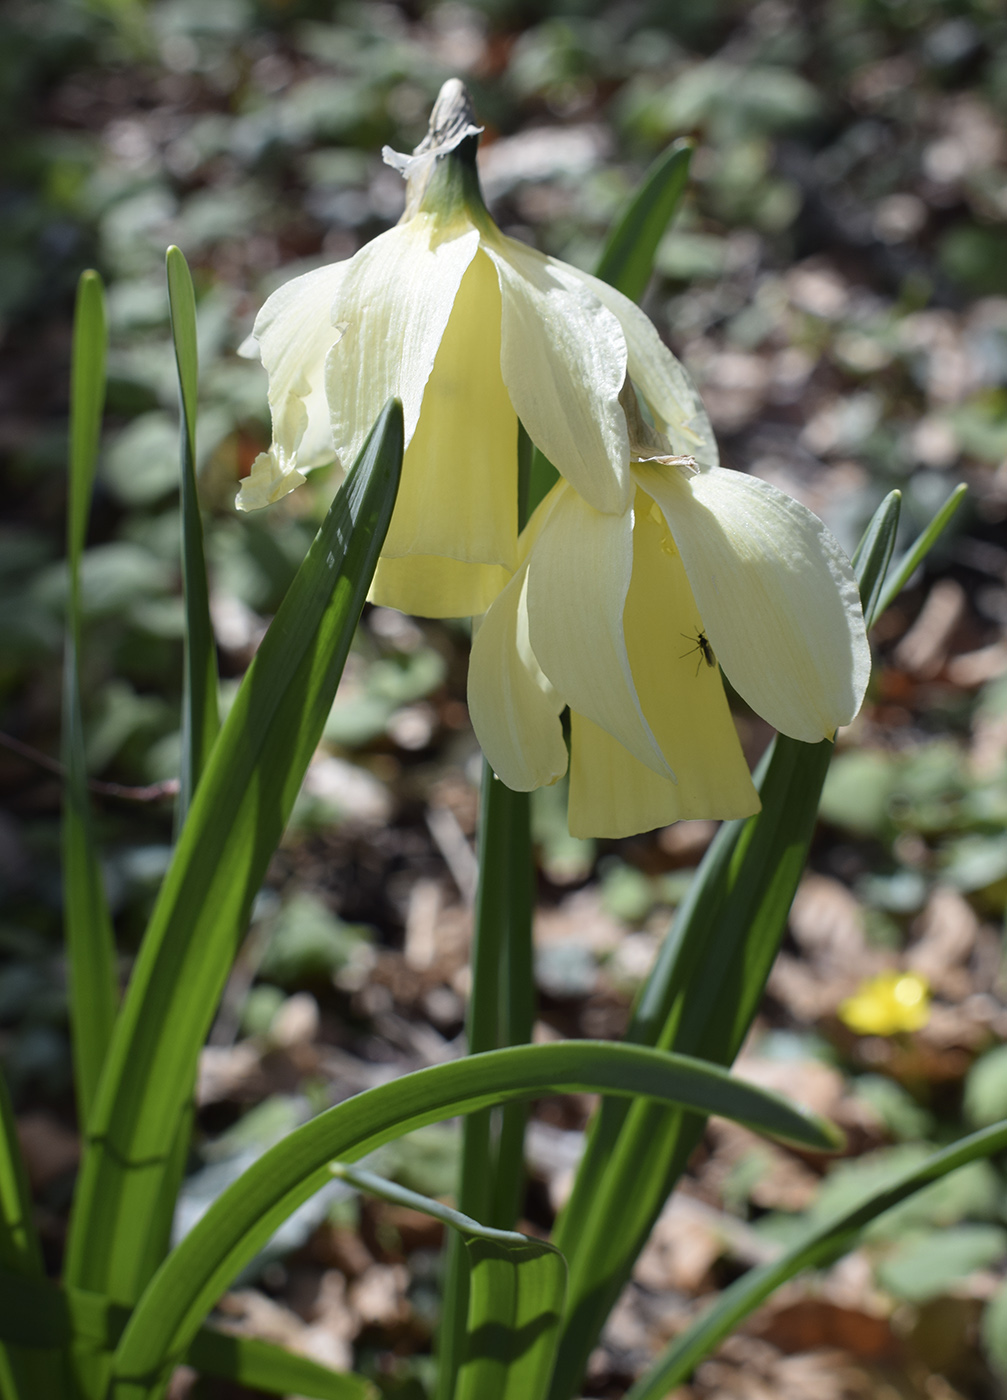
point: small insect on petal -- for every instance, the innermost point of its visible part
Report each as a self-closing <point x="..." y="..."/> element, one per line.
<point x="702" y="645"/>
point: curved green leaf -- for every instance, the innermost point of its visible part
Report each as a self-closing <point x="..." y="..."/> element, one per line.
<point x="918" y="551"/>
<point x="37" y="1315"/>
<point x="236" y="819"/>
<point x="820" y="1247"/>
<point x="874" y="553"/>
<point x="200" y="712"/>
<point x="93" y="981"/>
<point x="245" y="1216"/>
<point x="264" y="1366"/>
<point x="627" y="259"/>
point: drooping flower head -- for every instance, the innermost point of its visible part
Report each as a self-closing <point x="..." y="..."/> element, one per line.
<point x="473" y="331"/>
<point x="625" y="617"/>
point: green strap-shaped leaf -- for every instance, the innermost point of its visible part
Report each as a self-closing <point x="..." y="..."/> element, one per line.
<point x="244" y="1217"/>
<point x="875" y="550"/>
<point x="200" y="712"/>
<point x="236" y="819"/>
<point x="627" y="259"/>
<point x="515" y="1299"/>
<point x="903" y="571"/>
<point x="24" y="1374"/>
<point x="93" y="984"/>
<point x="264" y="1366"/>
<point x="36" y="1314"/>
<point x="699" y="999"/>
<point x="19" y="1246"/>
<point x="819" y="1247"/>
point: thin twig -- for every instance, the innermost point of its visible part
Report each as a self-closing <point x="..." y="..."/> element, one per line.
<point x="153" y="792"/>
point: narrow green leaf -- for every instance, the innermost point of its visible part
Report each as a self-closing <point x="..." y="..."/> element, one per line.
<point x="93" y="983"/>
<point x="200" y="711"/>
<point x="36" y="1314"/>
<point x="33" y="1312"/>
<point x="627" y="259"/>
<point x="819" y="1247"/>
<point x="874" y="553"/>
<point x="917" y="552"/>
<point x="24" y="1374"/>
<point x="516" y="1287"/>
<point x="236" y="819"/>
<point x="19" y="1246"/>
<point x="263" y="1366"/>
<point x="242" y="1219"/>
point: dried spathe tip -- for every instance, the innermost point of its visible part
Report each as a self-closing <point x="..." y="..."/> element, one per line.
<point x="451" y="123"/>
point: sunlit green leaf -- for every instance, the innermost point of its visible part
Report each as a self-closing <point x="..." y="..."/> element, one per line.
<point x="238" y="814"/>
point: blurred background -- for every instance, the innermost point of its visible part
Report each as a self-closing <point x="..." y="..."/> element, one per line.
<point x="837" y="284"/>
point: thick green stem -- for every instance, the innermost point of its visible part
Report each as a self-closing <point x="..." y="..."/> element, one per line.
<point x="501" y="1012"/>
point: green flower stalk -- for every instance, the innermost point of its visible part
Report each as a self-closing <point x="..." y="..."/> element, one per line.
<point x="473" y="331"/>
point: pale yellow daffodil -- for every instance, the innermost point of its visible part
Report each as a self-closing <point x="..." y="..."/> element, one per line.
<point x="473" y="331"/>
<point x="624" y="617"/>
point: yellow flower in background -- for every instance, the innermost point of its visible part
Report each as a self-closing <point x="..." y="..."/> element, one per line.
<point x="891" y="1002"/>
<point x="472" y="331"/>
<point x="623" y="617"/>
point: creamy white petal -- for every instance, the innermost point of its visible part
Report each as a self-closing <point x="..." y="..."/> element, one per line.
<point x="429" y="585"/>
<point x="294" y="334"/>
<point x="458" y="493"/>
<point x="777" y="595"/>
<point x="393" y="306"/>
<point x="563" y="358"/>
<point x="662" y="379"/>
<point x="514" y="710"/>
<point x="578" y="576"/>
<point x="267" y="482"/>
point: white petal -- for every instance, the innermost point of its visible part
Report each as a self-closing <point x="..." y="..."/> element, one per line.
<point x="294" y="334"/>
<point x="777" y="595"/>
<point x="578" y="577"/>
<point x="514" y="710"/>
<point x="662" y="379"/>
<point x="394" y="303"/>
<point x="563" y="358"/>
<point x="458" y="493"/>
<point x="267" y="482"/>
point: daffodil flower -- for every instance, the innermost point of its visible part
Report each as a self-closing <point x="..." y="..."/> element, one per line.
<point x="473" y="331"/>
<point x="891" y="1002"/>
<point x="624" y="617"/>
